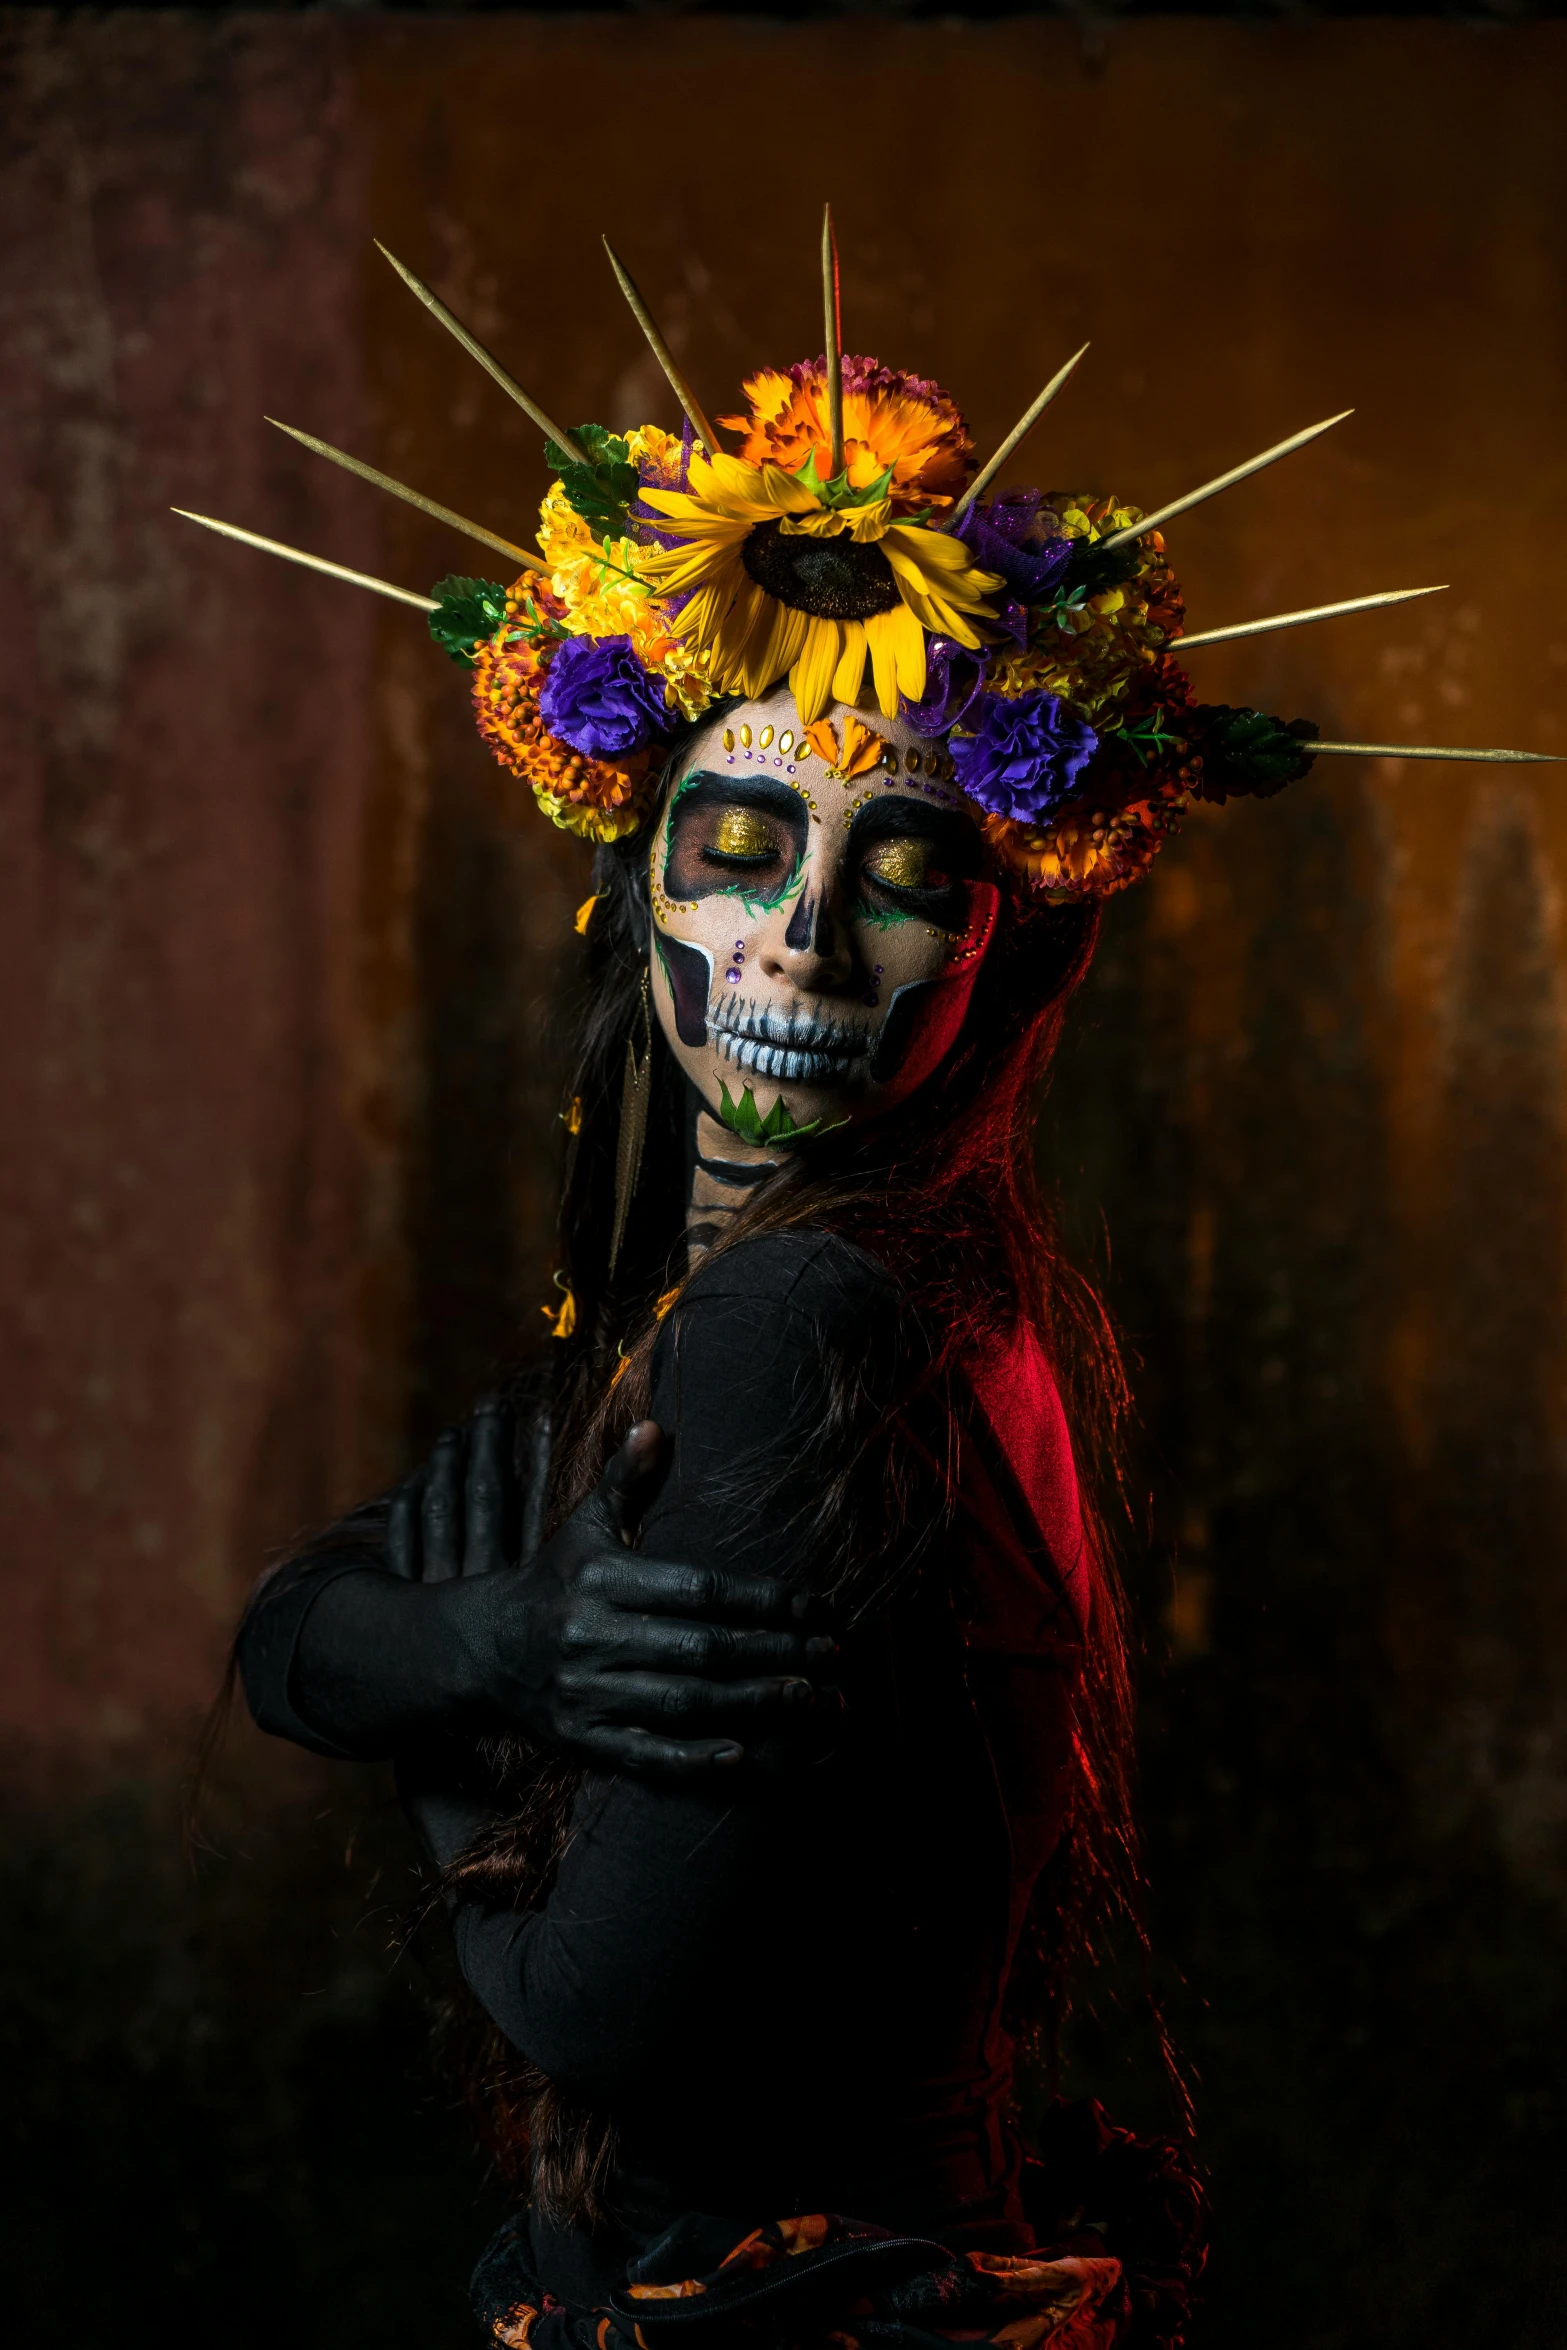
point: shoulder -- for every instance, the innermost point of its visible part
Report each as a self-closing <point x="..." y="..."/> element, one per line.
<point x="815" y="1275"/>
<point x="770" y="1314"/>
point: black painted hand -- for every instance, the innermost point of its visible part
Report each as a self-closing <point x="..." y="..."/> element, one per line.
<point x="629" y="1663"/>
<point x="465" y="1511"/>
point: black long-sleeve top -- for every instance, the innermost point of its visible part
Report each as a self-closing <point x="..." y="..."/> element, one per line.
<point x="787" y="1992"/>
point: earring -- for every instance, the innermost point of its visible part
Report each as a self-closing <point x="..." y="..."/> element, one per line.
<point x="636" y="1088"/>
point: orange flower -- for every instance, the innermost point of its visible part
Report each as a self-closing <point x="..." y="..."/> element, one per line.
<point x="890" y="421"/>
<point x="598" y="799"/>
<point x="1093" y="852"/>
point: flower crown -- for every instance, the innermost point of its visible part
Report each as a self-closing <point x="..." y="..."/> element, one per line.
<point x="848" y="545"/>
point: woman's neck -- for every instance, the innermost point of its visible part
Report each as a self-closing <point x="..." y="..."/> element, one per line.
<point x="722" y="1172"/>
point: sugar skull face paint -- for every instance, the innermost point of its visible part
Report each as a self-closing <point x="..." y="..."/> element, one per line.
<point x="815" y="938"/>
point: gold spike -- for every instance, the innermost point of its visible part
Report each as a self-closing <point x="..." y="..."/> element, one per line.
<point x="476" y="350"/>
<point x="1220" y="636"/>
<point x="1015" y="438"/>
<point x="249" y="538"/>
<point x="384" y="481"/>
<point x="1433" y="751"/>
<point x="833" y="306"/>
<point x="662" y="353"/>
<point x="1211" y="489"/>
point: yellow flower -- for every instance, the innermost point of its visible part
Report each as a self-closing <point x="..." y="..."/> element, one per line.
<point x="779" y="581"/>
<point x="1112" y="646"/>
<point x="605" y="593"/>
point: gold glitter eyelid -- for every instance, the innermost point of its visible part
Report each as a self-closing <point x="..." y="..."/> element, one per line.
<point x="901" y="863"/>
<point x="742" y="833"/>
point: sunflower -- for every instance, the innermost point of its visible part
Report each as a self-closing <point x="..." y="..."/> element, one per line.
<point x="783" y="572"/>
<point x="889" y="420"/>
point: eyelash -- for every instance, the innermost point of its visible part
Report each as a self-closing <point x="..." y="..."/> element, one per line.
<point x="730" y="860"/>
<point x="929" y="893"/>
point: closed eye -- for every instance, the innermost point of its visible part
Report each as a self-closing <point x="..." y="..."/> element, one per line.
<point x="743" y="837"/>
<point x="906" y="864"/>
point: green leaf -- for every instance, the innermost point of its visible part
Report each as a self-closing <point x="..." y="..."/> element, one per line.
<point x="740" y="1116"/>
<point x="1094" y="567"/>
<point x="603" y="447"/>
<point x="1062" y="603"/>
<point x="743" y="1118"/>
<point x="1147" y="737"/>
<point x="467" y="614"/>
<point x="603" y="489"/>
<point x="837" y="492"/>
<point x="1248" y="755"/>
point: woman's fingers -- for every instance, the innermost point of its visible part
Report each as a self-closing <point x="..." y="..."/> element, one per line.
<point x="402" y="1532"/>
<point x="489" y="1496"/>
<point x="643" y="1754"/>
<point x="683" y="1699"/>
<point x="440" y="1510"/>
<point x="659" y="1587"/>
<point x="677" y="1644"/>
<point x="632" y="1478"/>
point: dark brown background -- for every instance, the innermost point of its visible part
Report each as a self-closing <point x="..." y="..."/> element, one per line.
<point x="279" y="1092"/>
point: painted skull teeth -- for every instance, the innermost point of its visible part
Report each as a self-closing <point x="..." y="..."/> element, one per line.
<point x="796" y="1046"/>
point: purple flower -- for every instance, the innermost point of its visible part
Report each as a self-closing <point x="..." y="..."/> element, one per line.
<point x="952" y="679"/>
<point x="599" y="698"/>
<point x="1021" y="758"/>
<point x="1005" y="536"/>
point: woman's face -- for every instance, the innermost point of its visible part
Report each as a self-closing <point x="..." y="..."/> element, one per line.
<point x="815" y="941"/>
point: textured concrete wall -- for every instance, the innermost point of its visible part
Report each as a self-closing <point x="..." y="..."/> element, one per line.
<point x="278" y="1136"/>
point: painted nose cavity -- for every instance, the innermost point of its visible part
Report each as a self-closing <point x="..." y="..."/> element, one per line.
<point x="798" y="934"/>
<point x="811" y="928"/>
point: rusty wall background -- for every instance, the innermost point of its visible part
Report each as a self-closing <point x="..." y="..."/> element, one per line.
<point x="279" y="1090"/>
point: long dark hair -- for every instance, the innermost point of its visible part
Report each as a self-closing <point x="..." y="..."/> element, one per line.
<point x="950" y="1177"/>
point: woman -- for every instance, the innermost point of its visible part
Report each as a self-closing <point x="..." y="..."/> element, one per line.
<point x="785" y="1993"/>
<point x="776" y="1790"/>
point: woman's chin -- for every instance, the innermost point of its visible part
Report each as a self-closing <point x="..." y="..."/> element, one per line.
<point x="749" y="1104"/>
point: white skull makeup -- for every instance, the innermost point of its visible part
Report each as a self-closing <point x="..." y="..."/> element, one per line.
<point x="815" y="939"/>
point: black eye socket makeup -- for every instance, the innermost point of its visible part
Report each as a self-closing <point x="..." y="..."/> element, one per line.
<point x="728" y="832"/>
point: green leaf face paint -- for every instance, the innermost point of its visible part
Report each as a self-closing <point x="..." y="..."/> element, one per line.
<point x="743" y="1118"/>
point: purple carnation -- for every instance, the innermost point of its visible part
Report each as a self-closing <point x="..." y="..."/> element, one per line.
<point x="1021" y="758"/>
<point x="598" y="698"/>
